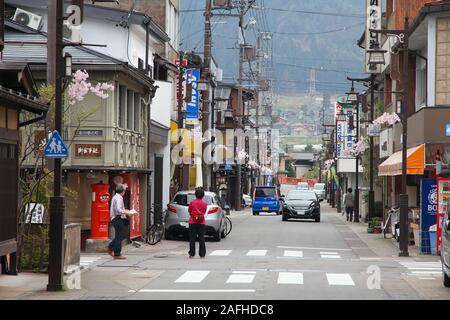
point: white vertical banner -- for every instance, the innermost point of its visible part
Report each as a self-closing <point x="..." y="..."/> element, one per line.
<point x="373" y="21"/>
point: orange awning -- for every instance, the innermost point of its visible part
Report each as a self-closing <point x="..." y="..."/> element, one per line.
<point x="415" y="164"/>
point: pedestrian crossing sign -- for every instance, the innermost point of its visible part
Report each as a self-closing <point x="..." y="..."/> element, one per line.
<point x="55" y="148"/>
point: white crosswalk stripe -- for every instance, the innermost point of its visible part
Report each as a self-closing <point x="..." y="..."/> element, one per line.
<point x="290" y="278"/>
<point x="192" y="277"/>
<point x="295" y="254"/>
<point x="340" y="279"/>
<point x="329" y="255"/>
<point x="256" y="253"/>
<point x="241" y="278"/>
<point x="220" y="253"/>
<point x="422" y="268"/>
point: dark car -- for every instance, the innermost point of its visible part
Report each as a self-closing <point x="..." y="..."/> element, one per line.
<point x="301" y="204"/>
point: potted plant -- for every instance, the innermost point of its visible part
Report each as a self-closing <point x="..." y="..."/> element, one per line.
<point x="374" y="225"/>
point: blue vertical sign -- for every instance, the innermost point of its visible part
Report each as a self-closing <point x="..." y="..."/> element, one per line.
<point x="192" y="108"/>
<point x="428" y="211"/>
<point x="349" y="134"/>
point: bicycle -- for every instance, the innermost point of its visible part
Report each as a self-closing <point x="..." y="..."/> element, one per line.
<point x="228" y="227"/>
<point x="156" y="231"/>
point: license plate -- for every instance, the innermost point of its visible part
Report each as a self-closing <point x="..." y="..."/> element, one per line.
<point x="184" y="224"/>
<point x="301" y="213"/>
<point x="265" y="208"/>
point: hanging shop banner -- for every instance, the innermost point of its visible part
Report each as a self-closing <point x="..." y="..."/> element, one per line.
<point x="428" y="212"/>
<point x="373" y="21"/>
<point x="349" y="131"/>
<point x="340" y="145"/>
<point x="192" y="107"/>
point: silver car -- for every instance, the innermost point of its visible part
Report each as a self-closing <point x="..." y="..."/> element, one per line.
<point x="445" y="248"/>
<point x="177" y="218"/>
<point x="319" y="189"/>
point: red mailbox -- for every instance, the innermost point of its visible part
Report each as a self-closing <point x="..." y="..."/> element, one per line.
<point x="100" y="211"/>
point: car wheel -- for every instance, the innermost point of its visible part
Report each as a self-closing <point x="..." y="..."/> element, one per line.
<point x="318" y="219"/>
<point x="284" y="218"/>
<point x="255" y="213"/>
<point x="446" y="280"/>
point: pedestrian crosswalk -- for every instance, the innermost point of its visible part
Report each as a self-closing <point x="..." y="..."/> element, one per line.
<point x="288" y="254"/>
<point x="249" y="277"/>
<point x="423" y="268"/>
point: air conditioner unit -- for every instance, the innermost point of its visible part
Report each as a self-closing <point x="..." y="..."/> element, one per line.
<point x="28" y="19"/>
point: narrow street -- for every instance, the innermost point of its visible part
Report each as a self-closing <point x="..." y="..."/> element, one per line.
<point x="263" y="259"/>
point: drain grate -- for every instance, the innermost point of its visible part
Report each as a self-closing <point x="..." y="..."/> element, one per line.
<point x="161" y="256"/>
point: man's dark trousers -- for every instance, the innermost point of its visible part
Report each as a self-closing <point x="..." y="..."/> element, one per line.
<point x="194" y="230"/>
<point x="119" y="227"/>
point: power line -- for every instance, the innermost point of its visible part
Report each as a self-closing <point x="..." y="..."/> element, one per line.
<point x="319" y="68"/>
<point x="334" y="14"/>
<point x="320" y="32"/>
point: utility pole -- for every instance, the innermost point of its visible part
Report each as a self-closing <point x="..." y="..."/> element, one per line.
<point x="57" y="202"/>
<point x="183" y="173"/>
<point x="206" y="75"/>
<point x="240" y="106"/>
<point x="371" y="162"/>
<point x="357" y="166"/>
<point x="258" y="101"/>
<point x="404" y="229"/>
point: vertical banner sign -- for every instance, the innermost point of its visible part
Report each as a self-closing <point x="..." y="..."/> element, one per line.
<point x="373" y="21"/>
<point x="349" y="132"/>
<point x="428" y="212"/>
<point x="192" y="108"/>
<point x="340" y="139"/>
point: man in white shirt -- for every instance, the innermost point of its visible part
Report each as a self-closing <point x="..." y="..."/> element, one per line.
<point x="118" y="215"/>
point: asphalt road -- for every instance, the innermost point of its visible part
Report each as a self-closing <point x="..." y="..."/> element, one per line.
<point x="265" y="258"/>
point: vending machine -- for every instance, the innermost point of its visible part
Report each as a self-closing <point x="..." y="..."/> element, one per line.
<point x="443" y="198"/>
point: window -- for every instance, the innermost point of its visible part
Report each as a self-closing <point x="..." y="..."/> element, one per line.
<point x="421" y="84"/>
<point x="130" y="110"/>
<point x="137" y="112"/>
<point x="122" y="106"/>
<point x="265" y="192"/>
<point x="186" y="199"/>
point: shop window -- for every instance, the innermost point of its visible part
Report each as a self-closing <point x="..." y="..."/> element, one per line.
<point x="421" y="84"/>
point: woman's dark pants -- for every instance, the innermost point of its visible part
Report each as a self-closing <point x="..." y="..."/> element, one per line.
<point x="194" y="231"/>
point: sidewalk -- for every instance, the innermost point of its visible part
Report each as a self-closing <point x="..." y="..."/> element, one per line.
<point x="29" y="285"/>
<point x="377" y="243"/>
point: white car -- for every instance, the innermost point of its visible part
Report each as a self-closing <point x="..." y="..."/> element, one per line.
<point x="247" y="200"/>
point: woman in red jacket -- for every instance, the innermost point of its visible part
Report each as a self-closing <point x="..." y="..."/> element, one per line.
<point x="197" y="223"/>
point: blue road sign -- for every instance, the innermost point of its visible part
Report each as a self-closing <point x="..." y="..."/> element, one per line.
<point x="55" y="148"/>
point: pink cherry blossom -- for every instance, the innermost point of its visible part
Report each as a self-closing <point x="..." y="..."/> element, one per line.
<point x="80" y="87"/>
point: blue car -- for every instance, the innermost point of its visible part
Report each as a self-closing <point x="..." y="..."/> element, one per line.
<point x="266" y="199"/>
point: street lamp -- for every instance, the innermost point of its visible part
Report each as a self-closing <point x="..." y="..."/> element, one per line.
<point x="376" y="57"/>
<point x="403" y="40"/>
<point x="68" y="58"/>
<point x="352" y="96"/>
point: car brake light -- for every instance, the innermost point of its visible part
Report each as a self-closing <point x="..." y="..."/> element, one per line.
<point x="171" y="209"/>
<point x="213" y="210"/>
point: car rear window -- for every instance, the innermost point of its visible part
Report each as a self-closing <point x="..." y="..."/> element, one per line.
<point x="186" y="199"/>
<point x="264" y="192"/>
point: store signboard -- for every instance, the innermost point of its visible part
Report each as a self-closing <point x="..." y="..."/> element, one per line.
<point x="373" y="21"/>
<point x="192" y="108"/>
<point x="428" y="202"/>
<point x="386" y="143"/>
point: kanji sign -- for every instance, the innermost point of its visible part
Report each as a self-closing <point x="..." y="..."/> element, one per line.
<point x="88" y="150"/>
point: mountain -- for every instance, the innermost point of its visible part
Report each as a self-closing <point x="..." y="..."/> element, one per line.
<point x="301" y="41"/>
